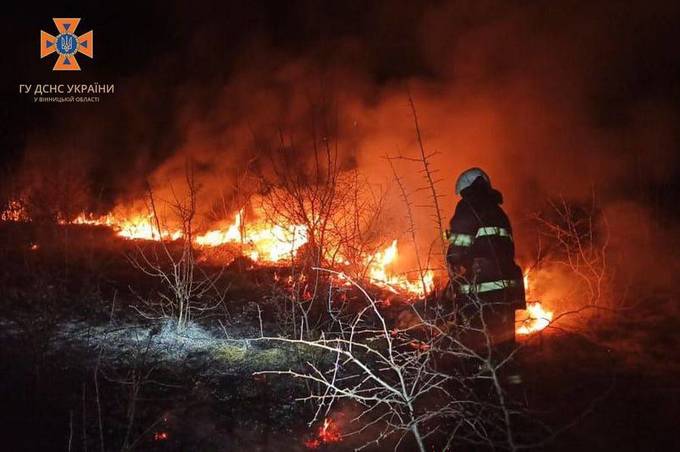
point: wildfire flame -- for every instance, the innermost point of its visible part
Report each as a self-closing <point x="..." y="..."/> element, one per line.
<point x="536" y="320"/>
<point x="138" y="226"/>
<point x="536" y="317"/>
<point x="15" y="211"/>
<point x="328" y="433"/>
<point x="270" y="243"/>
<point x="379" y="274"/>
<point x="216" y="237"/>
<point x="259" y="240"/>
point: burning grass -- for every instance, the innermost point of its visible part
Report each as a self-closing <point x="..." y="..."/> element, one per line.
<point x="264" y="242"/>
<point x="272" y="247"/>
<point x="535" y="318"/>
<point x="327" y="433"/>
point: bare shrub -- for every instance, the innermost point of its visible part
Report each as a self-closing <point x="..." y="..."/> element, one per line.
<point x="339" y="211"/>
<point x="574" y="238"/>
<point x="424" y="380"/>
<point x="185" y="288"/>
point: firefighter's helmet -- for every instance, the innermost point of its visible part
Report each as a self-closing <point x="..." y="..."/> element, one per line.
<point x="467" y="177"/>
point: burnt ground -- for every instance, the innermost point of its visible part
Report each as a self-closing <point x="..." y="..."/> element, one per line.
<point x="70" y="356"/>
<point x="202" y="395"/>
<point x="596" y="399"/>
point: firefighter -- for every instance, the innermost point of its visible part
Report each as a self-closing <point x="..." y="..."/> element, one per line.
<point x="487" y="283"/>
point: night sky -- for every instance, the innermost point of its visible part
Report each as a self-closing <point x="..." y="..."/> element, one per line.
<point x="176" y="46"/>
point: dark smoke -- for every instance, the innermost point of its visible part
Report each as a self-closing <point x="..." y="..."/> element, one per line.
<point x="551" y="98"/>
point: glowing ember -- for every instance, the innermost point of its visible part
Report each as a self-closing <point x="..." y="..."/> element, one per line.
<point x="15" y="211"/>
<point x="419" y="345"/>
<point x="328" y="433"/>
<point x="536" y="319"/>
<point x="160" y="436"/>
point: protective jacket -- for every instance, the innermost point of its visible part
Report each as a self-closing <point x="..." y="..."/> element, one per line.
<point x="481" y="251"/>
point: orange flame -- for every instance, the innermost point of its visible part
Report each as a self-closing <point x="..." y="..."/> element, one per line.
<point x="379" y="274"/>
<point x="536" y="319"/>
<point x="275" y="243"/>
<point x="138" y="226"/>
<point x="269" y="243"/>
<point x="259" y="240"/>
<point x="216" y="237"/>
<point x="15" y="211"/>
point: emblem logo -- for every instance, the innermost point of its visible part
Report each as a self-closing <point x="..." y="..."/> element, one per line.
<point x="67" y="44"/>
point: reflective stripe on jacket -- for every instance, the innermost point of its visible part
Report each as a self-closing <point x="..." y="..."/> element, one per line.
<point x="488" y="286"/>
<point x="485" y="231"/>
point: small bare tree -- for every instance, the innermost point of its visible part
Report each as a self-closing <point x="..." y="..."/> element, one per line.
<point x="334" y="207"/>
<point x="423" y="159"/>
<point x="424" y="380"/>
<point x="578" y="239"/>
<point x="304" y="193"/>
<point x="185" y="286"/>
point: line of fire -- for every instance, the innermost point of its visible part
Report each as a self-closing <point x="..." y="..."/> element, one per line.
<point x="329" y="226"/>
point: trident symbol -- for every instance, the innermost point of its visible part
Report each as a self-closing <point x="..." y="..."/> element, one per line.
<point x="67" y="43"/>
